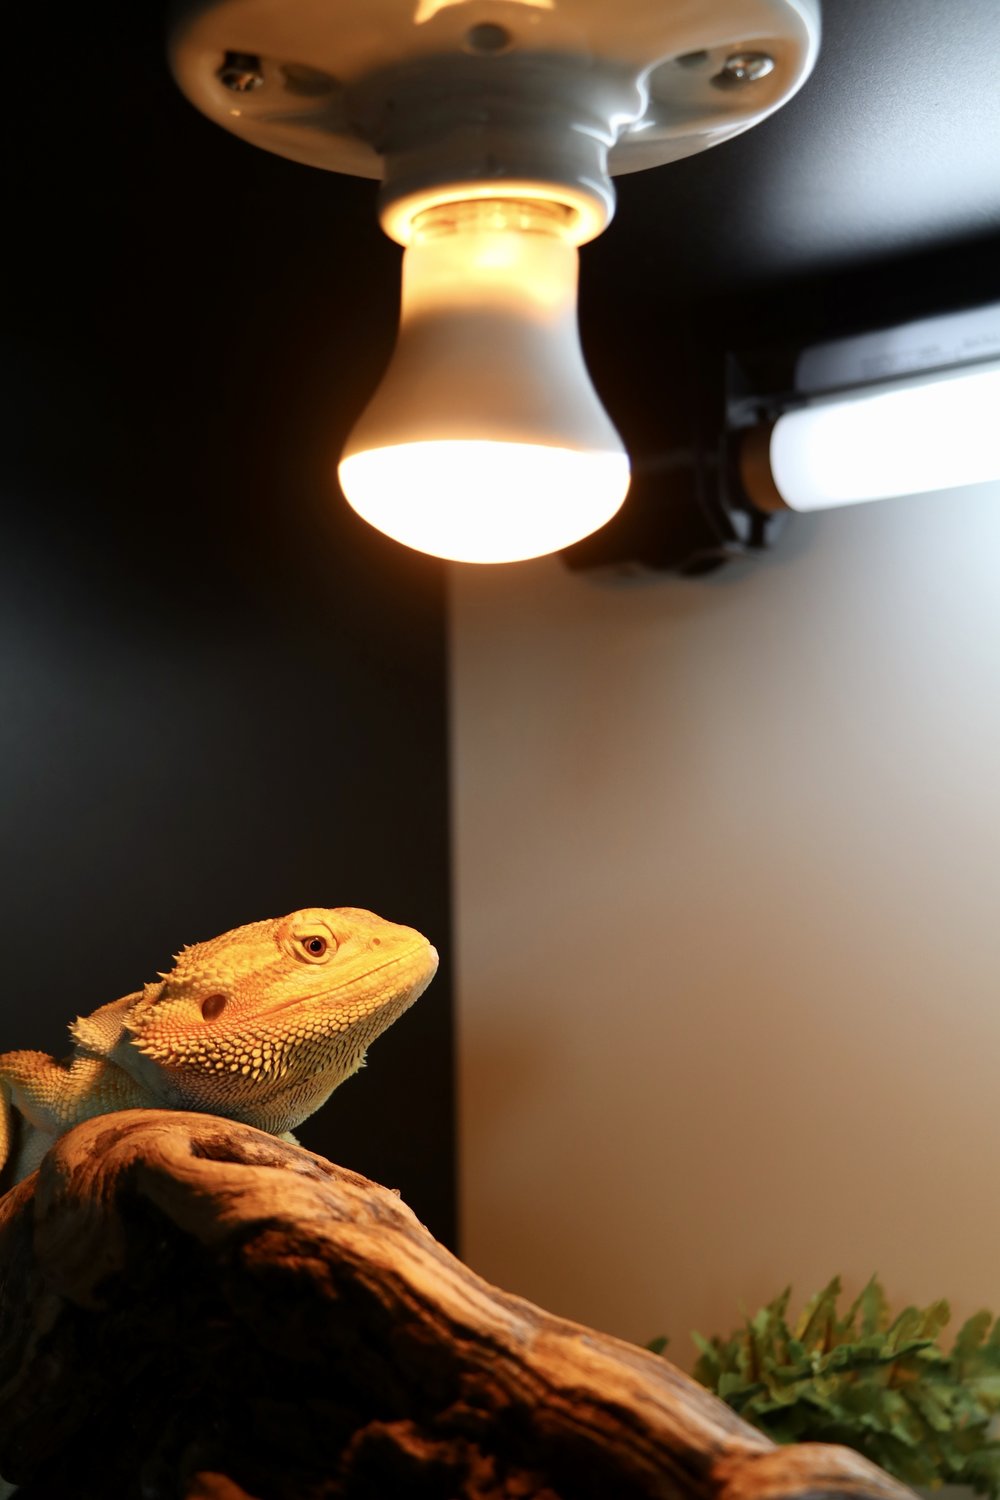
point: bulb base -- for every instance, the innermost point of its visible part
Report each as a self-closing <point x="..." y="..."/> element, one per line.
<point x="488" y="347"/>
<point x="535" y="128"/>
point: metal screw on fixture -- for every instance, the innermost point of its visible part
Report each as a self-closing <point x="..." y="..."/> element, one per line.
<point x="241" y="72"/>
<point x="744" y="67"/>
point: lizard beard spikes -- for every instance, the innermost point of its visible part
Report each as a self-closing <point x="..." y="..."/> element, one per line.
<point x="259" y="1025"/>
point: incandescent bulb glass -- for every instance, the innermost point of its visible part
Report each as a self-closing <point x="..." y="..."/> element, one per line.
<point x="485" y="441"/>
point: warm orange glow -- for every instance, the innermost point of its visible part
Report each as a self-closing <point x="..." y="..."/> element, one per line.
<point x="427" y="9"/>
<point x="486" y="441"/>
<point x="485" y="502"/>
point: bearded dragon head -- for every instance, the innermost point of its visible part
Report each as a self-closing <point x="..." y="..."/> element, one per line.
<point x="263" y="1023"/>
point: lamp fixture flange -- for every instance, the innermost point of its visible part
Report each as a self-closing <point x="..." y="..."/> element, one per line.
<point x="323" y="70"/>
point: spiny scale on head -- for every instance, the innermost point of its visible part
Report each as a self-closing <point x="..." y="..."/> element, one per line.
<point x="260" y="1024"/>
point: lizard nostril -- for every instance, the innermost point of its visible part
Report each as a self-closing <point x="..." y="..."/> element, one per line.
<point x="376" y="942"/>
<point x="212" y="1007"/>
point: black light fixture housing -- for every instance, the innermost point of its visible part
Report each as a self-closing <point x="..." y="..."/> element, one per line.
<point x="698" y="509"/>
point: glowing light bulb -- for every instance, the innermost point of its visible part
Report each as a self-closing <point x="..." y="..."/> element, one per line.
<point x="485" y="441"/>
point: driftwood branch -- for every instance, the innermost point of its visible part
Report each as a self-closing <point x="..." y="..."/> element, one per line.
<point x="191" y="1308"/>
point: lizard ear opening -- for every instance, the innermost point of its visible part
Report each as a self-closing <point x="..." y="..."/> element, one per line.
<point x="212" y="1007"/>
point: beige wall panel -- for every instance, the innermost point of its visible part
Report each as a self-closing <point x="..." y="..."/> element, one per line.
<point x="728" y="923"/>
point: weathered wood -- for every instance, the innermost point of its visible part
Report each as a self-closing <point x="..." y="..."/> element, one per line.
<point x="191" y="1308"/>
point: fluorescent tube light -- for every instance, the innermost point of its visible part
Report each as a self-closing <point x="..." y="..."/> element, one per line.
<point x="933" y="433"/>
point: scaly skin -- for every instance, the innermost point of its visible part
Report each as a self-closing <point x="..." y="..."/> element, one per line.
<point x="260" y="1025"/>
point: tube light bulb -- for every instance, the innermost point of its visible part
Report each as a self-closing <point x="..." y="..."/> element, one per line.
<point x="485" y="441"/>
<point x="929" y="434"/>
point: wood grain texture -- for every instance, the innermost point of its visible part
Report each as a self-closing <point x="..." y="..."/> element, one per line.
<point x="191" y="1308"/>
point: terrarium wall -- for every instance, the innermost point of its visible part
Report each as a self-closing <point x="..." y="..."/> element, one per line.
<point x="222" y="694"/>
<point x="727" y="875"/>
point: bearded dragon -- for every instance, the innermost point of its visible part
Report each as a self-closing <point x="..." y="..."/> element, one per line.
<point x="259" y="1025"/>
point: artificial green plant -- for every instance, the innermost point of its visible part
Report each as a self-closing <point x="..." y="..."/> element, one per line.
<point x="877" y="1383"/>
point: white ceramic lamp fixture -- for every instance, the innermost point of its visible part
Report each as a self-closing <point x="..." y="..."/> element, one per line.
<point x="495" y="126"/>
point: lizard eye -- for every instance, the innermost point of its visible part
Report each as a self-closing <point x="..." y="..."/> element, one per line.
<point x="315" y="946"/>
<point x="212" y="1007"/>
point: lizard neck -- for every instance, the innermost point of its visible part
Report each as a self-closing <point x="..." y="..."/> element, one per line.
<point x="277" y="1102"/>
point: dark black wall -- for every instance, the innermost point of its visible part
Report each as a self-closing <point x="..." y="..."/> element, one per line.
<point x="222" y="696"/>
